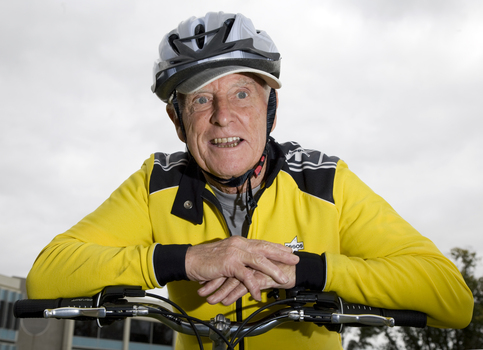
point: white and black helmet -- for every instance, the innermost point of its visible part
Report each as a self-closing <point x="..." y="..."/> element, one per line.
<point x="201" y="50"/>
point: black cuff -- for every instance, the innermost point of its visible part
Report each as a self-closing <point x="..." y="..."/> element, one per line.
<point x="311" y="271"/>
<point x="169" y="262"/>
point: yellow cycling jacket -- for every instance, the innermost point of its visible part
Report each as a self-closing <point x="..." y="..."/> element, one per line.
<point x="356" y="244"/>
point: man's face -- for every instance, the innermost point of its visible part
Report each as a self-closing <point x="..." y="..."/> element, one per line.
<point x="225" y="123"/>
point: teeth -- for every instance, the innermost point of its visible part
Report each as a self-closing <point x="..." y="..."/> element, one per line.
<point x="222" y="141"/>
<point x="226" y="139"/>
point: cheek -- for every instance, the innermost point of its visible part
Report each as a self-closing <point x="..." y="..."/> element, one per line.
<point x="259" y="127"/>
<point x="194" y="137"/>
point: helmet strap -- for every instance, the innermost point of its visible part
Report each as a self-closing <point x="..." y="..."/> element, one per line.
<point x="271" y="111"/>
<point x="240" y="180"/>
<point x="174" y="101"/>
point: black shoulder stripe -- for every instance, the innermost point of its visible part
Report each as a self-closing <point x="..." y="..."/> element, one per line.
<point x="167" y="170"/>
<point x="312" y="170"/>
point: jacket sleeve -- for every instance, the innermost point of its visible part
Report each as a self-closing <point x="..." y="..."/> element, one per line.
<point x="111" y="246"/>
<point x="384" y="262"/>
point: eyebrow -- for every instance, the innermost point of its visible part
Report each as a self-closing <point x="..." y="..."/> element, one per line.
<point x="242" y="82"/>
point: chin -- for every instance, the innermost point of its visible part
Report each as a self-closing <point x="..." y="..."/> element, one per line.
<point x="227" y="172"/>
<point x="230" y="174"/>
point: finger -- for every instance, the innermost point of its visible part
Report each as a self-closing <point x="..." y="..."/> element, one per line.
<point x="235" y="294"/>
<point x="272" y="251"/>
<point x="211" y="286"/>
<point x="245" y="275"/>
<point x="264" y="265"/>
<point x="225" y="290"/>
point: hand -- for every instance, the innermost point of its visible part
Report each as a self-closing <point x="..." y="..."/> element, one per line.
<point x="239" y="258"/>
<point x="229" y="290"/>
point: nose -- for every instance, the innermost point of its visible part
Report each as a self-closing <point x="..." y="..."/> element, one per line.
<point x="223" y="114"/>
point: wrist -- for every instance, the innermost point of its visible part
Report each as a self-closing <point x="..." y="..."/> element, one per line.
<point x="169" y="262"/>
<point x="311" y="271"/>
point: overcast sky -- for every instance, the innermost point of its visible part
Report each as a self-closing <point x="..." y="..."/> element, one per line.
<point x="395" y="88"/>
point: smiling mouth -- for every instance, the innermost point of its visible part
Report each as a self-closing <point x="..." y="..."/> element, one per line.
<point x="226" y="142"/>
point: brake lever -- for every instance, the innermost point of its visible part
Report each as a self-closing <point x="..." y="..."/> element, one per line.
<point x="73" y="312"/>
<point x="367" y="320"/>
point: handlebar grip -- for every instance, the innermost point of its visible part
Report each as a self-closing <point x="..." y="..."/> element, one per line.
<point x="404" y="318"/>
<point x="34" y="308"/>
<point x="407" y="318"/>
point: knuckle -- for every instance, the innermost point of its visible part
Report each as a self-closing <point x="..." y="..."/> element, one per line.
<point x="259" y="260"/>
<point x="236" y="240"/>
<point x="266" y="246"/>
<point x="248" y="273"/>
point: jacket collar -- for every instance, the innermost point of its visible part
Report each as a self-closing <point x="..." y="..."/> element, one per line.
<point x="188" y="203"/>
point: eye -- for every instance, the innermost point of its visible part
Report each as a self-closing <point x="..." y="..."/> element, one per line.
<point x="201" y="100"/>
<point x="241" y="95"/>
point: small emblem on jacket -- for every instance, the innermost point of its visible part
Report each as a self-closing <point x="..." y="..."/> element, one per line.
<point x="295" y="245"/>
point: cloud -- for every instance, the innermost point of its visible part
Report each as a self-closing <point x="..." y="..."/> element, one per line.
<point x="393" y="88"/>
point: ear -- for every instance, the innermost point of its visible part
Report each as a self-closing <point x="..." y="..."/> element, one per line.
<point x="174" y="118"/>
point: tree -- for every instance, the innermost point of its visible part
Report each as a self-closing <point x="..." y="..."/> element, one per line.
<point x="430" y="338"/>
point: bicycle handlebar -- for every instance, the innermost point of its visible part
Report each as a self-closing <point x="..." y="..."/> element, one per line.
<point x="322" y="308"/>
<point x="34" y="308"/>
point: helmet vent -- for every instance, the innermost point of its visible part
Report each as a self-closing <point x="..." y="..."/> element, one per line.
<point x="200" y="41"/>
<point x="228" y="23"/>
<point x="171" y="40"/>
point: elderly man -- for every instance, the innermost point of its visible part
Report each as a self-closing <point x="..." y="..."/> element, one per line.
<point x="240" y="213"/>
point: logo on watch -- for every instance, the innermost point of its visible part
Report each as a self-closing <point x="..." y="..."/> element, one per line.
<point x="295" y="245"/>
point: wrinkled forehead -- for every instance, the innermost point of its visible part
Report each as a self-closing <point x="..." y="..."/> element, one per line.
<point x="235" y="79"/>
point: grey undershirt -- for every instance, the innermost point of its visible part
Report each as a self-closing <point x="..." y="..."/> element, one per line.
<point x="234" y="209"/>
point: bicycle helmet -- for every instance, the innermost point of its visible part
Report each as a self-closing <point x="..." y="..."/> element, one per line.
<point x="201" y="50"/>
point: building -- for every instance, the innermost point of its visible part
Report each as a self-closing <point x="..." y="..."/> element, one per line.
<point x="10" y="291"/>
<point x="53" y="334"/>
